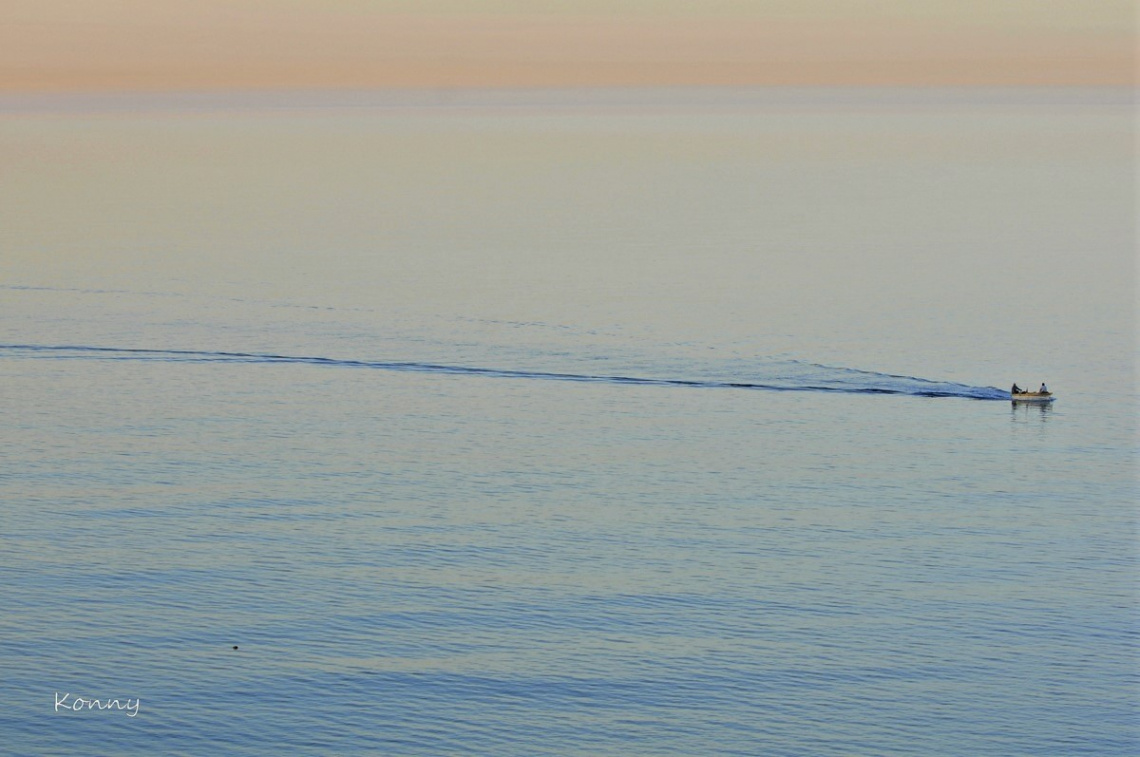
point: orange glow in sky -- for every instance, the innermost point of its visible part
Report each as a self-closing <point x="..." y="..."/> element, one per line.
<point x="157" y="45"/>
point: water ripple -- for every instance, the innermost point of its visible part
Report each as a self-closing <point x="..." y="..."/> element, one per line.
<point x="792" y="378"/>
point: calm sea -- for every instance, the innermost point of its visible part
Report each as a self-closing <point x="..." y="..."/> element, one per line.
<point x="569" y="423"/>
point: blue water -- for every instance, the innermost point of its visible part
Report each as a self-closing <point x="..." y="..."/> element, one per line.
<point x="513" y="429"/>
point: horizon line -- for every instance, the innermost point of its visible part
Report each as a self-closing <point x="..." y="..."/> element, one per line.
<point x="593" y="96"/>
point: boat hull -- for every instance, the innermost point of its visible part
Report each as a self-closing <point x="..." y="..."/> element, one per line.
<point x="1034" y="397"/>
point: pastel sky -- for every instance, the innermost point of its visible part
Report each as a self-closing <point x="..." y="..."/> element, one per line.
<point x="162" y="45"/>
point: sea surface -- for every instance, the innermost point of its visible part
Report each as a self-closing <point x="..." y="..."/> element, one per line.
<point x="664" y="422"/>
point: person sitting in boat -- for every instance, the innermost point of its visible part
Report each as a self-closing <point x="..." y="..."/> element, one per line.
<point x="1016" y="389"/>
<point x="1042" y="390"/>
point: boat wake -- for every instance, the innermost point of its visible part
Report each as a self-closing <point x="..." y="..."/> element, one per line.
<point x="780" y="376"/>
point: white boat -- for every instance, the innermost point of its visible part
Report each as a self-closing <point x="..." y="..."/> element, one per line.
<point x="1031" y="397"/>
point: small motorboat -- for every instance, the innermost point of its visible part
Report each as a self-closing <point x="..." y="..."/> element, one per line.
<point x="1031" y="396"/>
